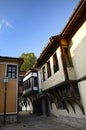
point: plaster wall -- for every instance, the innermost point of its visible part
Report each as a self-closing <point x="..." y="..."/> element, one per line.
<point x="78" y="53"/>
<point x="55" y="78"/>
<point x="59" y="112"/>
<point x="12" y="91"/>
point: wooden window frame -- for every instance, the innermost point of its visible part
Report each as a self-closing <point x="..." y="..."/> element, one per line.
<point x="43" y="72"/>
<point x="36" y="81"/>
<point x="55" y="63"/>
<point x="48" y="69"/>
<point x="11" y="72"/>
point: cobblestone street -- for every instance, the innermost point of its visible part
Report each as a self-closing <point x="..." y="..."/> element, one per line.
<point x="32" y="122"/>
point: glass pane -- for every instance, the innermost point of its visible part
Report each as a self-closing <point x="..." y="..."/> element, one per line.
<point x="9" y="75"/>
<point x="9" y="69"/>
<point x="13" y="75"/>
<point x="43" y="71"/>
<point x="36" y="81"/>
<point x="48" y="69"/>
<point x="30" y="83"/>
<point x="55" y="63"/>
<point x="13" y="69"/>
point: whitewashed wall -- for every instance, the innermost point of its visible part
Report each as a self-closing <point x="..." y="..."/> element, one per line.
<point x="78" y="52"/>
<point x="55" y="78"/>
<point x="71" y="73"/>
<point x="59" y="112"/>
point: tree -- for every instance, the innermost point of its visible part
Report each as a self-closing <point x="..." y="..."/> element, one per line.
<point x="29" y="60"/>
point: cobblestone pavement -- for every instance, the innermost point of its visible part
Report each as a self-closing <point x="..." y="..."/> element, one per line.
<point x="32" y="122"/>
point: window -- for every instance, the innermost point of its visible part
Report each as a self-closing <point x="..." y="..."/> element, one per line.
<point x="55" y="63"/>
<point x="36" y="81"/>
<point x="12" y="71"/>
<point x="48" y="69"/>
<point x="28" y="83"/>
<point x="43" y="72"/>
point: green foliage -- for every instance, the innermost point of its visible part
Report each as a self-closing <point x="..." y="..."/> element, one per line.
<point x="29" y="60"/>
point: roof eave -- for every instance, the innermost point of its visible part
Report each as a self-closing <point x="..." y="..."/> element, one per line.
<point x="12" y="59"/>
<point x="76" y="16"/>
<point x="53" y="43"/>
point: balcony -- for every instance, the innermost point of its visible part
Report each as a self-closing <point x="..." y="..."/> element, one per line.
<point x="30" y="84"/>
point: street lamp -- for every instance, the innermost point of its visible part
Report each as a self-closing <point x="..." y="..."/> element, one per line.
<point x="5" y="93"/>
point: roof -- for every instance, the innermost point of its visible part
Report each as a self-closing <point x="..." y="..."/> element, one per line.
<point x="12" y="60"/>
<point x="76" y="20"/>
<point x="30" y="70"/>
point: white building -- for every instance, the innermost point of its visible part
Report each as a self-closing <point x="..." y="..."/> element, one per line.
<point x="62" y="68"/>
<point x="30" y="91"/>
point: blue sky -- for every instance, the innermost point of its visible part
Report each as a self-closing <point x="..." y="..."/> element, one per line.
<point x="27" y="25"/>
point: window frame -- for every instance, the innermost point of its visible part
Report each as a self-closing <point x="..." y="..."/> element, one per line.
<point x="55" y="63"/>
<point x="43" y="73"/>
<point x="48" y="69"/>
<point x="12" y="73"/>
<point x="35" y="81"/>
